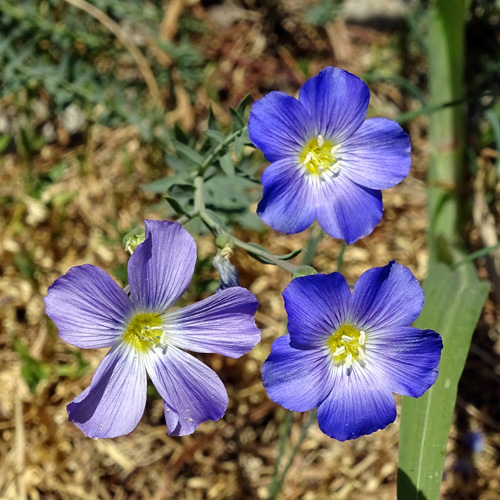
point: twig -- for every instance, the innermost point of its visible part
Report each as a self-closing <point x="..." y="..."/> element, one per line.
<point x="121" y="35"/>
<point x="169" y="25"/>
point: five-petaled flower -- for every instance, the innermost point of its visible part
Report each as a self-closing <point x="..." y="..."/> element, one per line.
<point x="327" y="162"/>
<point x="347" y="353"/>
<point x="91" y="310"/>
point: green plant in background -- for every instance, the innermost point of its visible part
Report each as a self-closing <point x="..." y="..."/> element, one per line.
<point x="56" y="54"/>
<point x="213" y="176"/>
<point x="454" y="297"/>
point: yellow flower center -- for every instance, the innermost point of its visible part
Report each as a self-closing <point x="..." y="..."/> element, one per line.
<point x="318" y="156"/>
<point x="144" y="331"/>
<point x="347" y="344"/>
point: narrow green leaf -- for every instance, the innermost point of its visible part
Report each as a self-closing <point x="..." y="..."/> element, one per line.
<point x="478" y="254"/>
<point x="262" y="258"/>
<point x="237" y="119"/>
<point x="162" y="186"/>
<point x="242" y="105"/>
<point x="179" y="209"/>
<point x="453" y="304"/>
<point x="178" y="164"/>
<point x="212" y="121"/>
<point x="189" y="153"/>
<point x="239" y="142"/>
<point x="217" y="136"/>
<point x="227" y="165"/>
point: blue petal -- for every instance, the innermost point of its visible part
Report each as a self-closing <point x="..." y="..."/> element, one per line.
<point x="279" y="125"/>
<point x="377" y="155"/>
<point x="288" y="202"/>
<point x="337" y="100"/>
<point x="357" y="405"/>
<point x="89" y="309"/>
<point x="192" y="392"/>
<point x="114" y="402"/>
<point x="315" y="305"/>
<point x="161" y="268"/>
<point x="386" y="296"/>
<point x="407" y="358"/>
<point x="348" y="211"/>
<point x="298" y="380"/>
<point x="223" y="323"/>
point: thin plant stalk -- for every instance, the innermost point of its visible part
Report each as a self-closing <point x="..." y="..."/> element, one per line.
<point x="447" y="126"/>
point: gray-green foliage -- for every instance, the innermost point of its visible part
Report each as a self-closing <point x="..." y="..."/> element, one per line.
<point x="52" y="49"/>
<point x="228" y="175"/>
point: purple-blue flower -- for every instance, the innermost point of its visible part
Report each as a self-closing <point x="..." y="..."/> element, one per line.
<point x="327" y="162"/>
<point x="91" y="310"/>
<point x="346" y="353"/>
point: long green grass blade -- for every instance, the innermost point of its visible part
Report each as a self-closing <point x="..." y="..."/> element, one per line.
<point x="447" y="127"/>
<point x="453" y="303"/>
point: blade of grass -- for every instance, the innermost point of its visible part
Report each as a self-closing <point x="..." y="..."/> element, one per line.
<point x="453" y="303"/>
<point x="447" y="127"/>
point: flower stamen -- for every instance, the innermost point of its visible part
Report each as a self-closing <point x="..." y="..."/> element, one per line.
<point x="319" y="157"/>
<point x="347" y="346"/>
<point x="340" y="350"/>
<point x="362" y="337"/>
<point x="144" y="331"/>
<point x="348" y="361"/>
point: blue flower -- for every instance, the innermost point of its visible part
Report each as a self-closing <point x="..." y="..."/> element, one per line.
<point x="347" y="353"/>
<point x="327" y="162"/>
<point x="91" y="310"/>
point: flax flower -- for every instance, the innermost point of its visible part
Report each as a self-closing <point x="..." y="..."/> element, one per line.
<point x="347" y="353"/>
<point x="146" y="337"/>
<point x="327" y="162"/>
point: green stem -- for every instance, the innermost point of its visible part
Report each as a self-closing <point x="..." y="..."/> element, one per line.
<point x="213" y="155"/>
<point x="340" y="258"/>
<point x="316" y="234"/>
<point x="217" y="230"/>
<point x="276" y="484"/>
<point x="447" y="127"/>
<point x="286" y="428"/>
<point x="199" y="195"/>
<point x="476" y="255"/>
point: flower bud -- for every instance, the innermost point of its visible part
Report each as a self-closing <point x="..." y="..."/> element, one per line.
<point x="133" y="239"/>
<point x="228" y="273"/>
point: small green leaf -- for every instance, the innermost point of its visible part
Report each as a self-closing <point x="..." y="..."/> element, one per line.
<point x="239" y="142"/>
<point x="173" y="202"/>
<point x="162" y="186"/>
<point x="178" y="164"/>
<point x="217" y="136"/>
<point x="189" y="153"/>
<point x="227" y="165"/>
<point x="242" y="105"/>
<point x="453" y="304"/>
<point x="238" y="122"/>
<point x="263" y="259"/>
<point x="212" y="121"/>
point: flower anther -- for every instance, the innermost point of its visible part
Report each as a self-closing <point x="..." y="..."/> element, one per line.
<point x="144" y="331"/>
<point x="347" y="344"/>
<point x="318" y="157"/>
